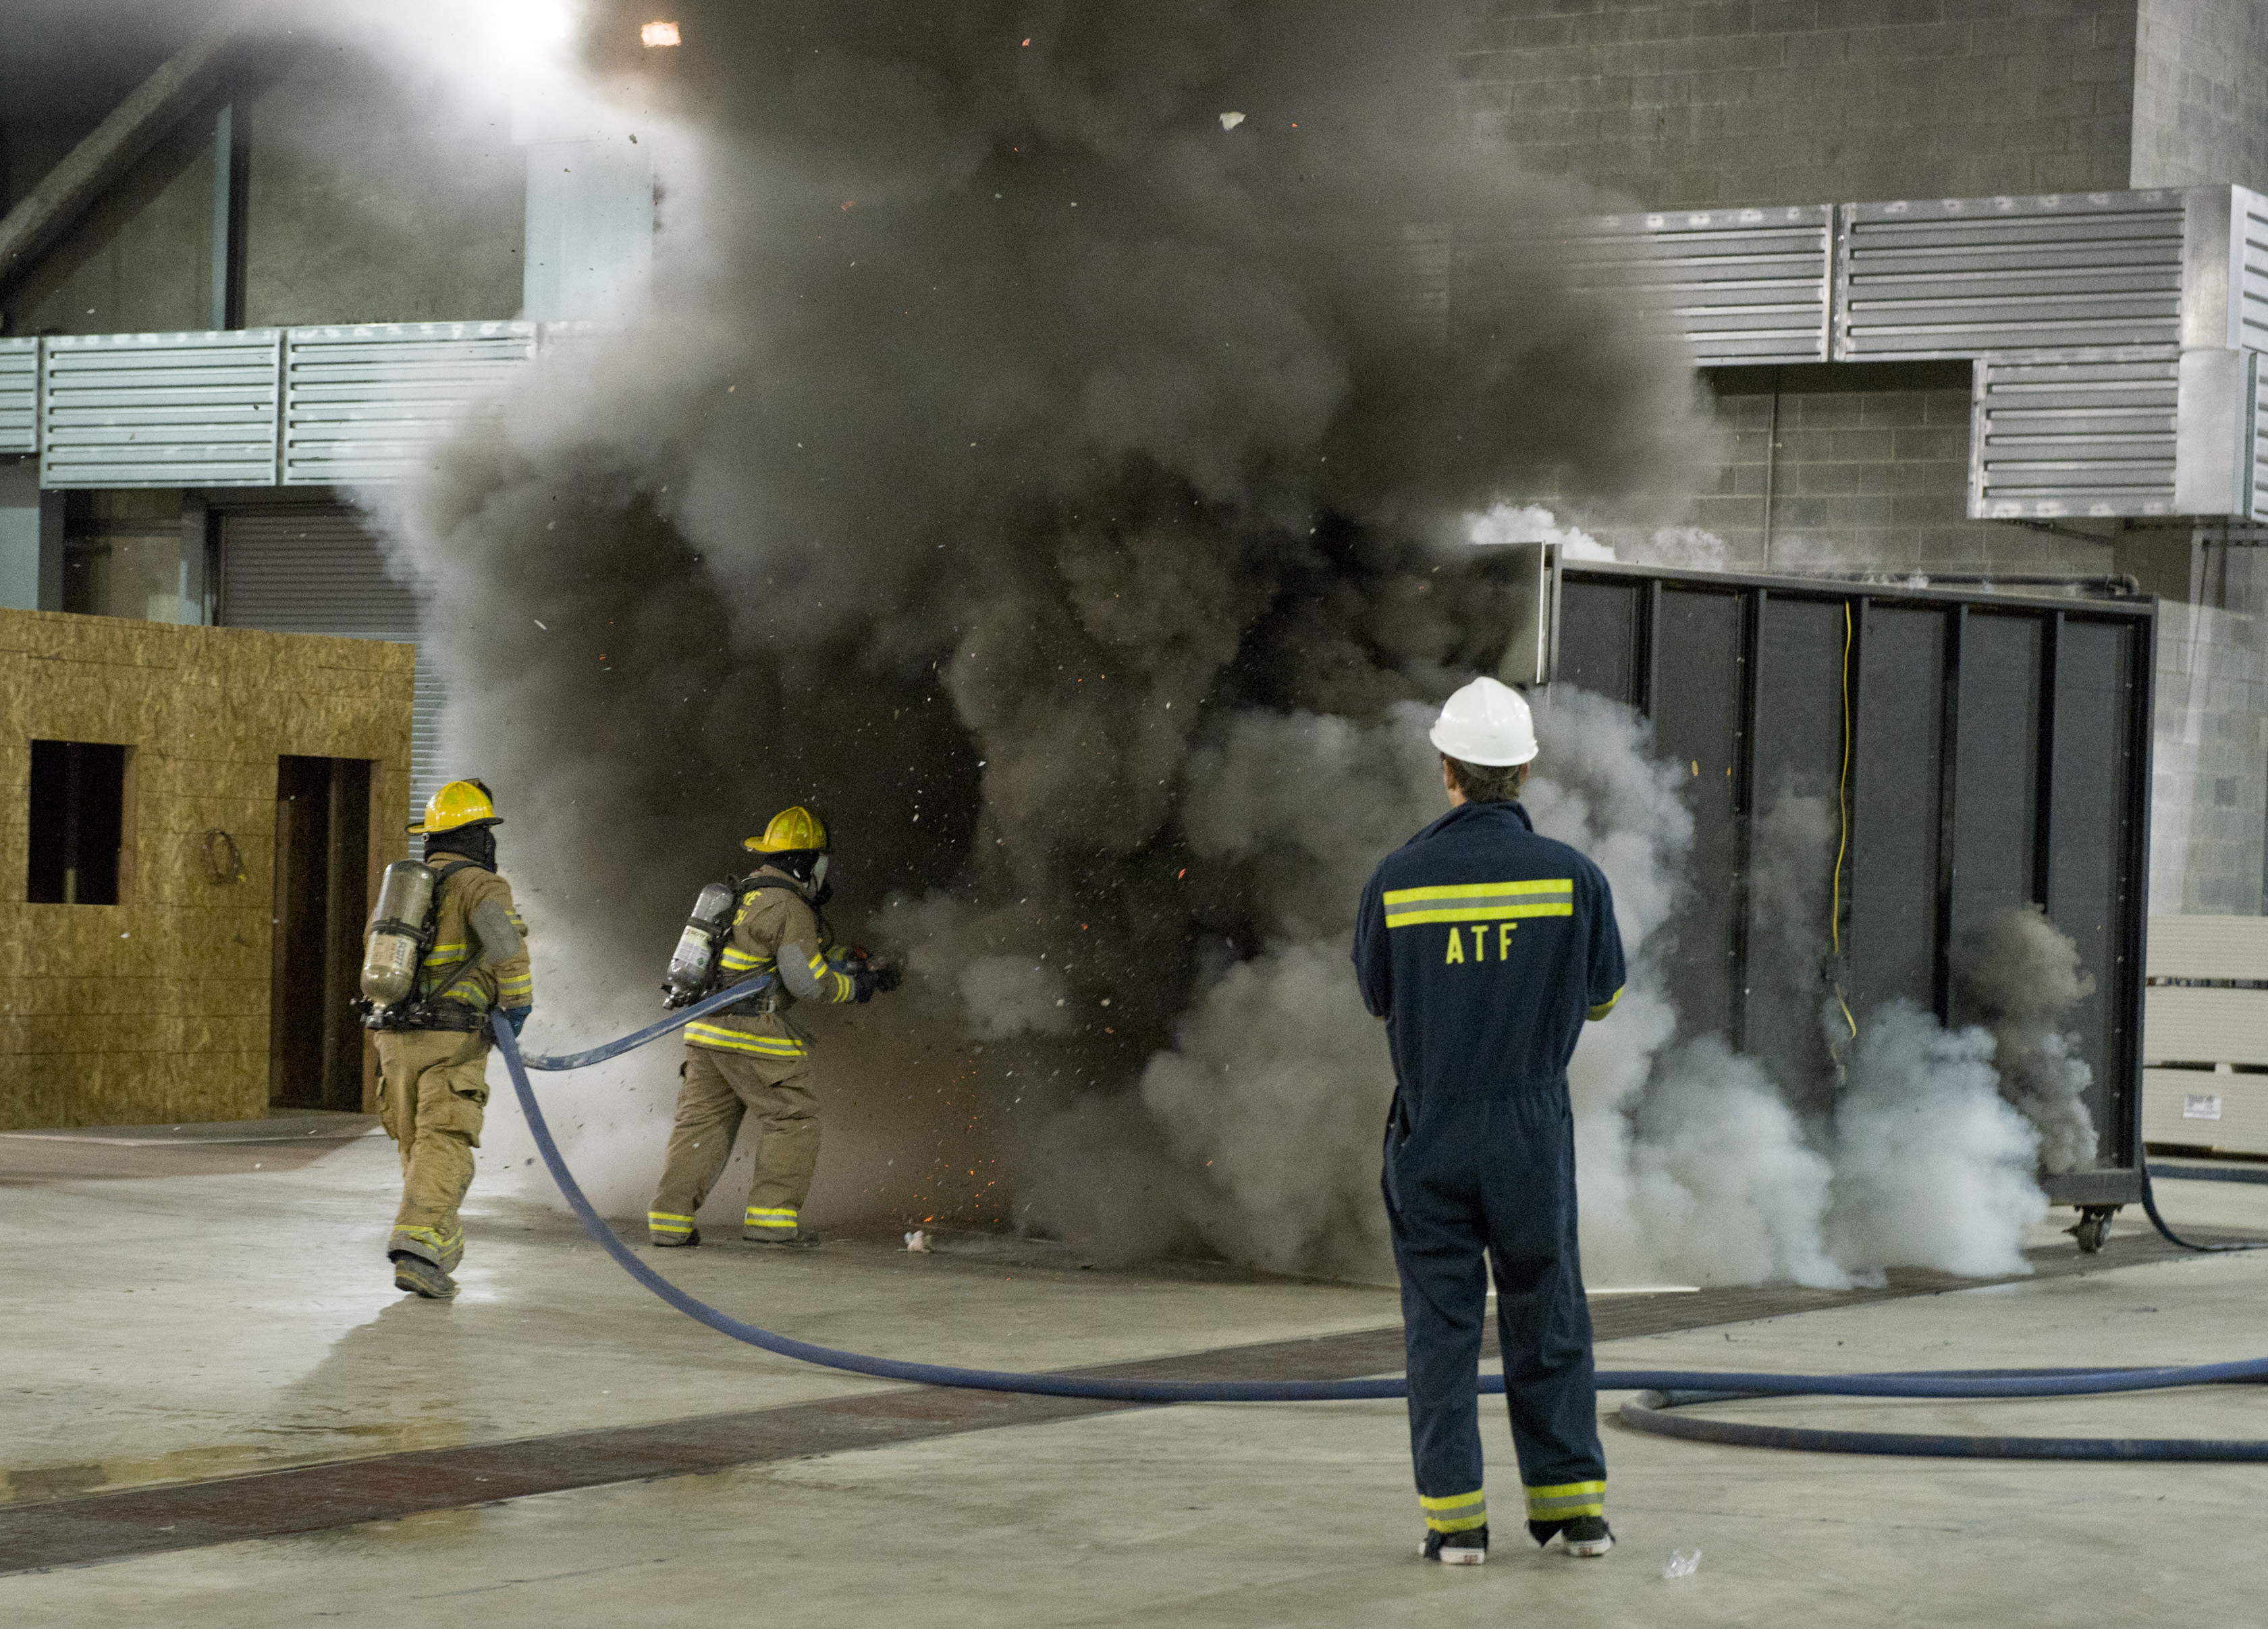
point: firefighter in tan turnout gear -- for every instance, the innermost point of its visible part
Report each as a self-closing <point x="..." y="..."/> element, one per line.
<point x="755" y="1058"/>
<point x="433" y="1044"/>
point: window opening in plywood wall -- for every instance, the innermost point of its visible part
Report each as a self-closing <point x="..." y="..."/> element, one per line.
<point x="81" y="825"/>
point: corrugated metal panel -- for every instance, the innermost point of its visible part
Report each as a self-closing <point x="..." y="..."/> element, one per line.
<point x="2249" y="220"/>
<point x="159" y="409"/>
<point x="2088" y="437"/>
<point x="19" y="395"/>
<point x="1739" y="285"/>
<point x="317" y="570"/>
<point x="1965" y="276"/>
<point x="371" y="403"/>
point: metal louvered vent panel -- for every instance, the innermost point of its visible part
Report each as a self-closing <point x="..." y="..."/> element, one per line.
<point x="159" y="409"/>
<point x="2258" y="383"/>
<point x="1738" y="285"/>
<point x="371" y="403"/>
<point x="2073" y="438"/>
<point x="19" y="395"/>
<point x="317" y="570"/>
<point x="2248" y="221"/>
<point x="1964" y="276"/>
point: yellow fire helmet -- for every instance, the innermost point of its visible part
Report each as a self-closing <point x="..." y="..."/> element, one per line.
<point x="791" y="830"/>
<point x="460" y="804"/>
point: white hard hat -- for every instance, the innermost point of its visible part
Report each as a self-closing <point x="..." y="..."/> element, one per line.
<point x="1486" y="723"/>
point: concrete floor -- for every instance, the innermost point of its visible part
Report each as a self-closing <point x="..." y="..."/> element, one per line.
<point x="203" y="1318"/>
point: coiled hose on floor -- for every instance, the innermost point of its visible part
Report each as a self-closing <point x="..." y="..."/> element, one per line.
<point x="1660" y="1390"/>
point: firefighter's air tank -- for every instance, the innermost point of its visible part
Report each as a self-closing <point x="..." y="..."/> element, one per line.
<point x="395" y="939"/>
<point x="694" y="963"/>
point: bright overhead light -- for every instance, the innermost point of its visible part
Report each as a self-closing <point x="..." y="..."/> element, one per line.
<point x="658" y="33"/>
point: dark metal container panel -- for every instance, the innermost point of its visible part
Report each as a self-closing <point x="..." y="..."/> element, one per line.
<point x="2092" y="891"/>
<point x="1996" y="771"/>
<point x="1891" y="930"/>
<point x="1799" y="756"/>
<point x="2000" y="754"/>
<point x="1700" y="651"/>
<point x="1603" y="638"/>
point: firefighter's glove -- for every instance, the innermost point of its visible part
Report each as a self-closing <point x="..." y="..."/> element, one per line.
<point x="517" y="1017"/>
<point x="887" y="976"/>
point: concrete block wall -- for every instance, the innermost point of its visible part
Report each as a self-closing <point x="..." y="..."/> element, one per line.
<point x="2201" y="93"/>
<point x="1862" y="478"/>
<point x="2209" y="796"/>
<point x="1680" y="103"/>
<point x="156" y="1009"/>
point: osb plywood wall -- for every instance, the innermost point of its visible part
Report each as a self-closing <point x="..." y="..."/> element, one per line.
<point x="156" y="1009"/>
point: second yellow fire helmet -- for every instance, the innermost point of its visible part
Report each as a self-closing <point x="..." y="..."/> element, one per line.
<point x="791" y="831"/>
<point x="460" y="804"/>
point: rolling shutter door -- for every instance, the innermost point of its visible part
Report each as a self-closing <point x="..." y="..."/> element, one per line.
<point x="318" y="571"/>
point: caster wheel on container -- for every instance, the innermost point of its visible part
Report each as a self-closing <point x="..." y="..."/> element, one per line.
<point x="2093" y="1227"/>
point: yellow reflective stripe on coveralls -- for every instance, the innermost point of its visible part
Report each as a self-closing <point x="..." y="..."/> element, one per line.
<point x="443" y="1244"/>
<point x="1567" y="1501"/>
<point x="1606" y="1006"/>
<point x="1458" y="1513"/>
<point x="834" y="986"/>
<point x="778" y="1217"/>
<point x="745" y="1040"/>
<point x="664" y="1222"/>
<point x="1480" y="902"/>
<point x="734" y="961"/>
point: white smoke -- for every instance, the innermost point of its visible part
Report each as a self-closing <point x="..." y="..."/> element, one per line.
<point x="1691" y="548"/>
<point x="1532" y="523"/>
<point x="1695" y="1164"/>
<point x="1932" y="1169"/>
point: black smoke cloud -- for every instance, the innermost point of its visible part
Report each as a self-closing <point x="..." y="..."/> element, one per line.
<point x="1004" y="430"/>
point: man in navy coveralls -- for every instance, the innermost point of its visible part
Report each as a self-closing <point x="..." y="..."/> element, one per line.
<point x="1485" y="948"/>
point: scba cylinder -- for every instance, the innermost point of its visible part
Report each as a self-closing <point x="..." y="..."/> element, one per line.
<point x="695" y="960"/>
<point x="395" y="940"/>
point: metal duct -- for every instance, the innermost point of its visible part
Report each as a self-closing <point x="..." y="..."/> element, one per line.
<point x="159" y="409"/>
<point x="1738" y="285"/>
<point x="2090" y="437"/>
<point x="371" y="403"/>
<point x="1968" y="277"/>
<point x="19" y="395"/>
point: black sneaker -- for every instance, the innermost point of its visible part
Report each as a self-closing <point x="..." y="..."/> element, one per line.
<point x="672" y="1242"/>
<point x="1468" y="1548"/>
<point x="1584" y="1536"/>
<point x="415" y="1273"/>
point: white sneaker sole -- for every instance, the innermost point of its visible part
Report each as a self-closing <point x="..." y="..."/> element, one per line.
<point x="1596" y="1546"/>
<point x="1461" y="1556"/>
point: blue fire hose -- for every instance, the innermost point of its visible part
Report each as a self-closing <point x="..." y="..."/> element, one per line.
<point x="1660" y="1390"/>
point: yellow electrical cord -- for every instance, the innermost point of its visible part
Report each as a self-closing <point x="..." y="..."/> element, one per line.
<point x="1842" y="847"/>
